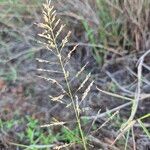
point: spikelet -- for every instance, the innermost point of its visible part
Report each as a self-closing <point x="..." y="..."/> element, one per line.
<point x="54" y="81"/>
<point x="50" y="71"/>
<point x="81" y="70"/>
<point x="85" y="80"/>
<point x="69" y="54"/>
<point x="53" y="124"/>
<point x="77" y="105"/>
<point x="65" y="40"/>
<point x="42" y="60"/>
<point x="87" y="91"/>
<point x="56" y="24"/>
<point x="63" y="146"/>
<point x="46" y="36"/>
<point x="59" y="31"/>
<point x="57" y="98"/>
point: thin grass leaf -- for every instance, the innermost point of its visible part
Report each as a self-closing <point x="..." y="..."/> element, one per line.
<point x="145" y="116"/>
<point x="144" y="128"/>
<point x="32" y="146"/>
<point x="138" y="90"/>
<point x="127" y="138"/>
<point x="133" y="139"/>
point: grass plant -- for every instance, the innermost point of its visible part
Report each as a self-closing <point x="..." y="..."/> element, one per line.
<point x="51" y="32"/>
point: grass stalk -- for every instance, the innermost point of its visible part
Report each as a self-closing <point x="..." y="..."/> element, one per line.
<point x="49" y="26"/>
<point x="70" y="92"/>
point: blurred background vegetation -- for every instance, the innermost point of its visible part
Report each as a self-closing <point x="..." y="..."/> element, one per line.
<point x="111" y="37"/>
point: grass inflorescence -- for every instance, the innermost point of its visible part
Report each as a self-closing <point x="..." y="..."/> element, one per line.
<point x="52" y="29"/>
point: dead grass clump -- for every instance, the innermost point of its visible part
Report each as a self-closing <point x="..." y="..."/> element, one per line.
<point x="123" y="25"/>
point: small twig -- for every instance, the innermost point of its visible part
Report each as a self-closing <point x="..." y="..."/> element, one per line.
<point x="102" y="144"/>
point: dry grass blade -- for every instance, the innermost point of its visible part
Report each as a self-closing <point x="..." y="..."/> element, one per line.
<point x="32" y="146"/>
<point x="93" y="122"/>
<point x="115" y="95"/>
<point x="138" y="91"/>
<point x="95" y="46"/>
<point x="102" y="144"/>
<point x="106" y="113"/>
<point x="133" y="139"/>
<point x="142" y="96"/>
